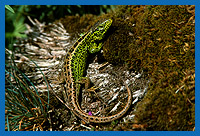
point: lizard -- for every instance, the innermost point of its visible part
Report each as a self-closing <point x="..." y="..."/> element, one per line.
<point x="75" y="67"/>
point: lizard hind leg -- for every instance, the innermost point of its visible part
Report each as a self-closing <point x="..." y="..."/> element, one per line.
<point x="87" y="82"/>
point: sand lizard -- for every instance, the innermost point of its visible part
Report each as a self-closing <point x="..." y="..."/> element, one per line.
<point x="75" y="67"/>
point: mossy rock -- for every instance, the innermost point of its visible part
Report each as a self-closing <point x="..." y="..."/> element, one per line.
<point x="160" y="41"/>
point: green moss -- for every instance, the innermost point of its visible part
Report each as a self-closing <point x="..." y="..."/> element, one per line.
<point x="162" y="45"/>
<point x="116" y="47"/>
<point x="75" y="25"/>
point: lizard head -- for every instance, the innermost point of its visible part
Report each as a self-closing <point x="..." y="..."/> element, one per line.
<point x="98" y="34"/>
<point x="101" y="29"/>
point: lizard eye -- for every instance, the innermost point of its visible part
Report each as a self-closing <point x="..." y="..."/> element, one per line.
<point x="100" y="28"/>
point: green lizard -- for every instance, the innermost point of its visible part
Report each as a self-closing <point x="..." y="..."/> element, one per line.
<point x="75" y="67"/>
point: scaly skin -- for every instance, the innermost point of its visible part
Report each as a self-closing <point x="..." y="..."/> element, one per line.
<point x="75" y="67"/>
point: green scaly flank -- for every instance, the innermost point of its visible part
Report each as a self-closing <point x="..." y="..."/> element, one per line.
<point x="88" y="43"/>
